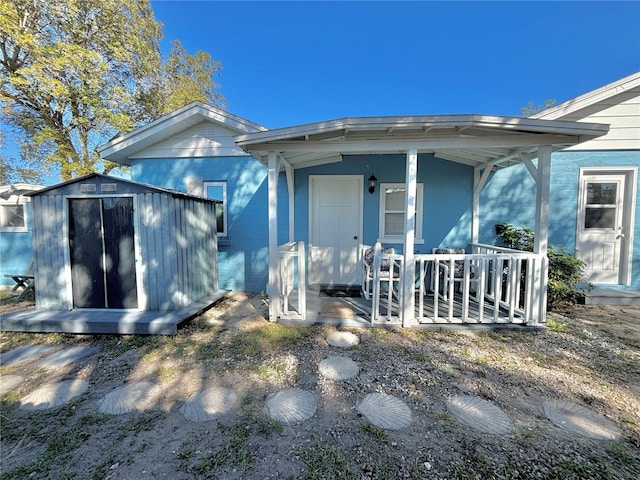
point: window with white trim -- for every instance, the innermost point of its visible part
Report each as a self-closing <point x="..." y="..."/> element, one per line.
<point x="217" y="190"/>
<point x="392" y="208"/>
<point x="13" y="217"/>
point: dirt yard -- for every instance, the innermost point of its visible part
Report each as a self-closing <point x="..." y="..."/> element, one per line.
<point x="588" y="355"/>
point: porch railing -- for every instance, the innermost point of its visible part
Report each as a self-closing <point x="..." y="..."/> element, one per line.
<point x="292" y="292"/>
<point x="491" y="285"/>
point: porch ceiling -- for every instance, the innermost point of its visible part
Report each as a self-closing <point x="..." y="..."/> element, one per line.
<point x="474" y="140"/>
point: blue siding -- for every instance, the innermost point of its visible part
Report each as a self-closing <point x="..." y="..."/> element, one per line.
<point x="447" y="196"/>
<point x="243" y="256"/>
<point x="15" y="251"/>
<point x="510" y="193"/>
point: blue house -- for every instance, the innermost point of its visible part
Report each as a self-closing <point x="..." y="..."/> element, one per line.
<point x="15" y="230"/>
<point x="302" y="204"/>
<point x="594" y="188"/>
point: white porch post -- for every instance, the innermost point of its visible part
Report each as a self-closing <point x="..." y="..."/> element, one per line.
<point x="541" y="238"/>
<point x="409" y="271"/>
<point x="291" y="191"/>
<point x="480" y="177"/>
<point x="274" y="287"/>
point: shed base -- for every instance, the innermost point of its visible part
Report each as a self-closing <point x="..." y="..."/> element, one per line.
<point x="118" y="322"/>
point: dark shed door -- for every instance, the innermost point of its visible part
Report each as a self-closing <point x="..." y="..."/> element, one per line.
<point x="102" y="247"/>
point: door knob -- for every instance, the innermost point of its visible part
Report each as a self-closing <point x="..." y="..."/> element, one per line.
<point x="355" y="237"/>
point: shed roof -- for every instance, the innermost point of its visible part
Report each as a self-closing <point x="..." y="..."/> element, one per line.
<point x="153" y="188"/>
<point x="470" y="139"/>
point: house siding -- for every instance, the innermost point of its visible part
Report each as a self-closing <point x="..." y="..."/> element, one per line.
<point x="243" y="254"/>
<point x="621" y="112"/>
<point x="447" y="197"/>
<point x="507" y="198"/>
<point x="16" y="250"/>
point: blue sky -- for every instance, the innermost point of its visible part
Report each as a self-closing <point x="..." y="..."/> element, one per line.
<point x="287" y="63"/>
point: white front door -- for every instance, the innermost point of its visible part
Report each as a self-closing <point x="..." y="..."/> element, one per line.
<point x="601" y="230"/>
<point x="335" y="229"/>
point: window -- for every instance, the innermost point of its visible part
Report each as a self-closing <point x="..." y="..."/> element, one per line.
<point x="392" y="207"/>
<point x="218" y="191"/>
<point x="602" y="203"/>
<point x="13" y="218"/>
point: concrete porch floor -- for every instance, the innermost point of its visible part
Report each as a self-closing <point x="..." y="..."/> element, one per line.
<point x="103" y="321"/>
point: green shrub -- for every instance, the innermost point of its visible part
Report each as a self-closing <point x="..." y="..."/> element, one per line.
<point x="565" y="270"/>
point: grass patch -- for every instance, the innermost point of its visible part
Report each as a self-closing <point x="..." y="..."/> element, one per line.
<point x="143" y="422"/>
<point x="378" y="433"/>
<point x="557" y="325"/>
<point x="325" y="460"/>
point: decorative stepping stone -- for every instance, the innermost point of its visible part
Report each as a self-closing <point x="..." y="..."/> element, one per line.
<point x="480" y="414"/>
<point x="135" y="396"/>
<point x="293" y="405"/>
<point x="385" y="411"/>
<point x="65" y="356"/>
<point x="342" y="339"/>
<point x="338" y="368"/>
<point x="575" y="418"/>
<point x="23" y="354"/>
<point x="209" y="404"/>
<point x="9" y="382"/>
<point x="53" y="395"/>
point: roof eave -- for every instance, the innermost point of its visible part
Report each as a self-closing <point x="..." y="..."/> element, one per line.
<point x="121" y="148"/>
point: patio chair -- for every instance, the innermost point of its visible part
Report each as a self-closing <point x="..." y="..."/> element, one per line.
<point x="451" y="274"/>
<point x="368" y="254"/>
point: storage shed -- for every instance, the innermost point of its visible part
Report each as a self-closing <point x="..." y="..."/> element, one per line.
<point x="102" y="242"/>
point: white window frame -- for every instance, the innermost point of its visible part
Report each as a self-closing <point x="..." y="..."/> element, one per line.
<point x="25" y="227"/>
<point x="225" y="205"/>
<point x="382" y="236"/>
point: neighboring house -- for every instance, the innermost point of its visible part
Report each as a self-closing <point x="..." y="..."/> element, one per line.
<point x="311" y="183"/>
<point x="15" y="230"/>
<point x="594" y="192"/>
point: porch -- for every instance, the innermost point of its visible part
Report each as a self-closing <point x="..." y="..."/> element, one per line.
<point x="491" y="286"/>
<point x="495" y="286"/>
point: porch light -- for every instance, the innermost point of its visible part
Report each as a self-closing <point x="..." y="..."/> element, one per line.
<point x="372" y="183"/>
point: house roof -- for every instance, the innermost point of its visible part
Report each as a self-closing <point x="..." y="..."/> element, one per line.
<point x="18" y="189"/>
<point x="470" y="139"/>
<point x="590" y="98"/>
<point x="122" y="147"/>
<point x="123" y="180"/>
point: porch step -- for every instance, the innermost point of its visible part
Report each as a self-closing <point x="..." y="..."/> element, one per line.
<point x="84" y="321"/>
<point x="603" y="296"/>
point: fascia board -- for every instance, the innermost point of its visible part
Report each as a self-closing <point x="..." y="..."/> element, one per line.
<point x="174" y="122"/>
<point x="590" y="98"/>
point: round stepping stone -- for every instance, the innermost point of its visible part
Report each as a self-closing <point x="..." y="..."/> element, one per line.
<point x="65" y="356"/>
<point x="342" y="339"/>
<point x="480" y="415"/>
<point x="575" y="418"/>
<point x="135" y="396"/>
<point x="385" y="411"/>
<point x="209" y="404"/>
<point x="338" y="368"/>
<point x="53" y="395"/>
<point x="9" y="382"/>
<point x="23" y="354"/>
<point x="293" y="405"/>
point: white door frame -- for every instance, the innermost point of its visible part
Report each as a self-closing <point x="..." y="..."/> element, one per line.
<point x="628" y="213"/>
<point x="359" y="179"/>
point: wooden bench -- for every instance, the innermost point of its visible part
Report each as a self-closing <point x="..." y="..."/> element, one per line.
<point x="24" y="283"/>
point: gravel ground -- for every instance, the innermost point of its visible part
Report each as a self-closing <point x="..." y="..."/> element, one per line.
<point x="588" y="355"/>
